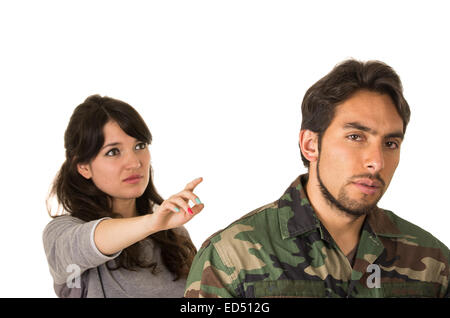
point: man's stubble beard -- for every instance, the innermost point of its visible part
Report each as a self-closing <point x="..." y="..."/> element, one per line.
<point x="343" y="203"/>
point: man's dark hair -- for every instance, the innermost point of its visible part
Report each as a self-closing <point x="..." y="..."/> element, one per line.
<point x="346" y="78"/>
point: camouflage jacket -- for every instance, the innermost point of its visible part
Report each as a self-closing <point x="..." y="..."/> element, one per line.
<point x="283" y="250"/>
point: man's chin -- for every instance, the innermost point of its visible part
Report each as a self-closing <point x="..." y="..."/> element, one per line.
<point x="359" y="204"/>
<point x="358" y="211"/>
<point x="355" y="206"/>
<point x="350" y="199"/>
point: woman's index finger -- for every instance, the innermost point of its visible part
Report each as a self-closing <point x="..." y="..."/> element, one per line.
<point x="191" y="185"/>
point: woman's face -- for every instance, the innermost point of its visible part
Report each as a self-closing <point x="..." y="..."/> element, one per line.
<point x="121" y="168"/>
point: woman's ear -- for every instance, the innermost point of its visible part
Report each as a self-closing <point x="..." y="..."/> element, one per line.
<point x="84" y="170"/>
<point x="309" y="144"/>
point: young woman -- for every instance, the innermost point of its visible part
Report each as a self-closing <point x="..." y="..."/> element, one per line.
<point x="117" y="237"/>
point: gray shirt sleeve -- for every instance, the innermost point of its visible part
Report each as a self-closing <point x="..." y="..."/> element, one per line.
<point x="70" y="248"/>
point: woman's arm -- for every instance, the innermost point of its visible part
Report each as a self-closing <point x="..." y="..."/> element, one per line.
<point x="113" y="235"/>
<point x="69" y="246"/>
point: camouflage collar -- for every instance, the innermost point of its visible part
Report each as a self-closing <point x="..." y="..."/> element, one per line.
<point x="297" y="217"/>
<point x="382" y="225"/>
<point x="295" y="212"/>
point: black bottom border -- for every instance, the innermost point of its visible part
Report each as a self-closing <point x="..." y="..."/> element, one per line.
<point x="219" y="307"/>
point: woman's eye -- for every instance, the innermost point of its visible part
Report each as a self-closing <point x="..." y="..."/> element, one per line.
<point x="112" y="152"/>
<point x="141" y="145"/>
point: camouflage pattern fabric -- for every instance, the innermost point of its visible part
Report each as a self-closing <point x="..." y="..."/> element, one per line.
<point x="282" y="250"/>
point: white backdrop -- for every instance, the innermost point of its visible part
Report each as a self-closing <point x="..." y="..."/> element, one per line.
<point x="220" y="85"/>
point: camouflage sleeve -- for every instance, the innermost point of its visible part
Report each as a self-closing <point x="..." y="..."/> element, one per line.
<point x="208" y="276"/>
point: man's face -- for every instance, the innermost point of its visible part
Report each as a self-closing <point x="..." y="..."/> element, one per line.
<point x="360" y="151"/>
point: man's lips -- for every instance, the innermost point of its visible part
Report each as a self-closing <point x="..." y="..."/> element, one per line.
<point x="368" y="182"/>
<point x="133" y="179"/>
<point x="367" y="186"/>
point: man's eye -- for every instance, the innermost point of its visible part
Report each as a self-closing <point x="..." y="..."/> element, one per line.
<point x="112" y="152"/>
<point x="354" y="137"/>
<point x="392" y="145"/>
<point x="141" y="145"/>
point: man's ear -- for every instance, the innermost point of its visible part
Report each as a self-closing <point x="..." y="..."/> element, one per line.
<point x="85" y="170"/>
<point x="309" y="144"/>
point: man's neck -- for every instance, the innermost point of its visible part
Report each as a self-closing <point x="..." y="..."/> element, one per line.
<point x="344" y="228"/>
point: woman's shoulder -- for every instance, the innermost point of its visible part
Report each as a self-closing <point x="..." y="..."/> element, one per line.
<point x="60" y="223"/>
<point x="64" y="219"/>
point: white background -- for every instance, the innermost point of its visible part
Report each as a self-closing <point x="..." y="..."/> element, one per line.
<point x="220" y="85"/>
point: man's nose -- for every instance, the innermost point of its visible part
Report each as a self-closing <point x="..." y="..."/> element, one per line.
<point x="374" y="160"/>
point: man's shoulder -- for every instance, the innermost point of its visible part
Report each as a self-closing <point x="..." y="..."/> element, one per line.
<point x="228" y="252"/>
<point x="413" y="233"/>
<point x="250" y="222"/>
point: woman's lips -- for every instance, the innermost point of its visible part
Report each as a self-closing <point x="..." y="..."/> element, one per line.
<point x="133" y="179"/>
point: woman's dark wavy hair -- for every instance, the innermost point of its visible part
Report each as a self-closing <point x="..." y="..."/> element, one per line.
<point x="346" y="78"/>
<point x="80" y="197"/>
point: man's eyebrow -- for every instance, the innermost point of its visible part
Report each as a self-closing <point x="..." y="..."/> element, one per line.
<point x="396" y="135"/>
<point x="356" y="125"/>
<point x="359" y="126"/>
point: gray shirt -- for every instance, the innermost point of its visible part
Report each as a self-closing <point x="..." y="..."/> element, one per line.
<point x="78" y="268"/>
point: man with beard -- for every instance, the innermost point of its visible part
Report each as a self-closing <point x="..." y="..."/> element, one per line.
<point x="326" y="236"/>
